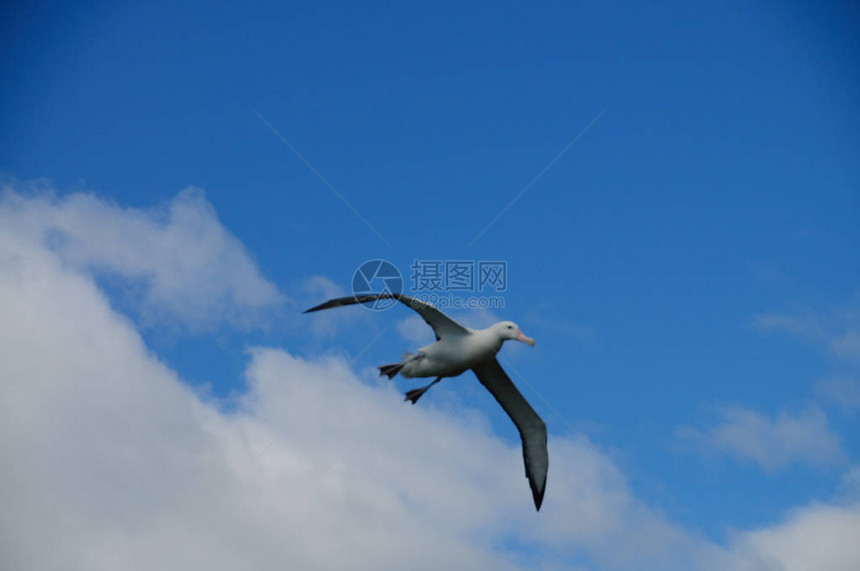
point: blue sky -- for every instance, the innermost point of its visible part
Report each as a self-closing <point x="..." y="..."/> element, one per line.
<point x="688" y="268"/>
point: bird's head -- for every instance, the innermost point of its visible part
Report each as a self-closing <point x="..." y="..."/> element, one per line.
<point x="509" y="330"/>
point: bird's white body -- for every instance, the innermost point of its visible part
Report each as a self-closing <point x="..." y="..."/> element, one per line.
<point x="453" y="355"/>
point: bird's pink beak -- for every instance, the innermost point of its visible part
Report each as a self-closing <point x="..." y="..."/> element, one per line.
<point x="520" y="336"/>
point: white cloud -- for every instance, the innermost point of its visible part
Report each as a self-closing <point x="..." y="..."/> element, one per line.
<point x="849" y="483"/>
<point x="844" y="391"/>
<point x="838" y="329"/>
<point x="820" y="537"/>
<point x="112" y="462"/>
<point x="416" y="330"/>
<point x="317" y="289"/>
<point x="773" y="443"/>
<point x="807" y="326"/>
<point x="118" y="465"/>
<point x="323" y="288"/>
<point x="179" y="258"/>
<point x="847" y="344"/>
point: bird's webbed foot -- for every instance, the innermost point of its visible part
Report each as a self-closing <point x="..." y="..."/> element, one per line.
<point x="416" y="394"/>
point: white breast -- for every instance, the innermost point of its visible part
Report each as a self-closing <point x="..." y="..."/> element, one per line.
<point x="453" y="355"/>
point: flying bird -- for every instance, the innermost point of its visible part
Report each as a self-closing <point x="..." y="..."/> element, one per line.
<point x="456" y="350"/>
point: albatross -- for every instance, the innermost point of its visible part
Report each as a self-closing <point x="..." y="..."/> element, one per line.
<point x="456" y="350"/>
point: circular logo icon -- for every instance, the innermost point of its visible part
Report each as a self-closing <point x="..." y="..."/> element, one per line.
<point x="377" y="276"/>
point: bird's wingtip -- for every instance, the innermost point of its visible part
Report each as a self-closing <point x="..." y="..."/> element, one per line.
<point x="537" y="494"/>
<point x="325" y="305"/>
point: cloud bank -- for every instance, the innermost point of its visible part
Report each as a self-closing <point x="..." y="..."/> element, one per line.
<point x="838" y="329"/>
<point x="772" y="443"/>
<point x="179" y="257"/>
<point x="112" y="462"/>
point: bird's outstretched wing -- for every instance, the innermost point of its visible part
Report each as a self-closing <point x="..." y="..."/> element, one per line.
<point x="532" y="428"/>
<point x="442" y="324"/>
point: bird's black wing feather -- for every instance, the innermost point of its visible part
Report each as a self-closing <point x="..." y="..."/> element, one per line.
<point x="531" y="426"/>
<point x="441" y="323"/>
